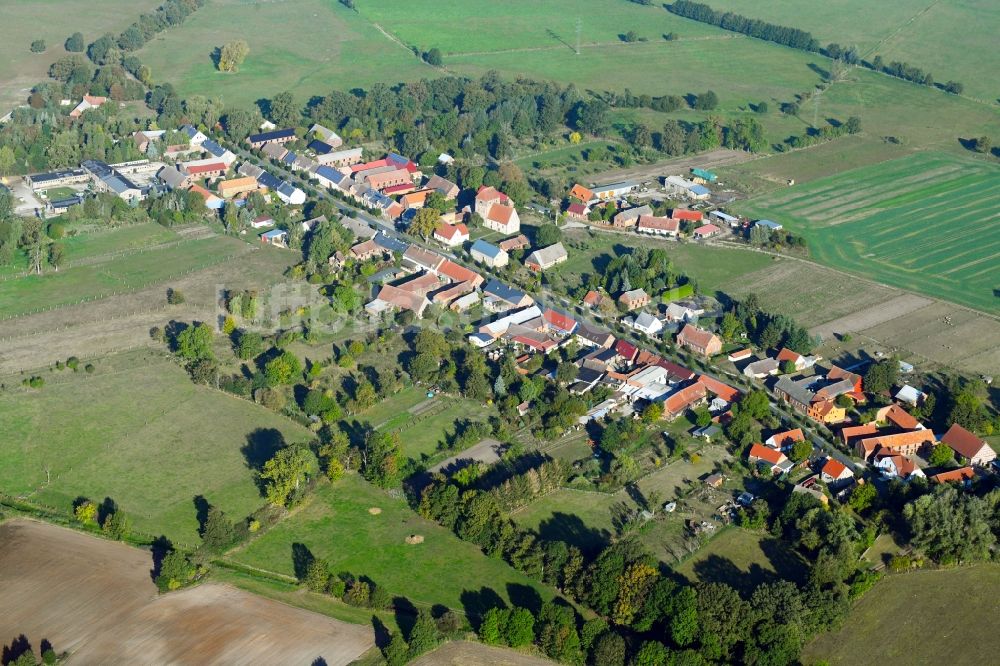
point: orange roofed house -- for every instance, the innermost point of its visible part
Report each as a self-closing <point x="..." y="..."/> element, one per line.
<point x="902" y="443"/>
<point x="768" y="458"/>
<point x="699" y="340"/>
<point x="581" y="193"/>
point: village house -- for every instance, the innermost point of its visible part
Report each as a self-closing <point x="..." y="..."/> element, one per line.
<point x="684" y="399"/>
<point x="686" y="215"/>
<point x="559" y="322"/>
<point x="761" y="368"/>
<point x="614" y="191"/>
<point x="769" y="459"/>
<point x="628" y="218"/>
<point x="381" y="181"/>
<point x="211" y="200"/>
<point x="644" y="323"/>
<point x="86" y="104"/>
<point x="341" y="158"/>
<point x="458" y="273"/>
<point x="236" y="186"/>
<point x="275" y="151"/>
<point x="962" y="475"/>
<point x="634" y="298"/>
<point x="835" y="472"/>
<point x="451" y="234"/>
<point x="519" y="242"/>
<point x="798" y="360"/>
<point x="576" y="211"/>
<point x="326" y="135"/>
<point x="897" y="466"/>
<point x="706" y="231"/>
<point x="415" y="199"/>
<point x="581" y="193"/>
<point x="195" y="136"/>
<point x="394" y="298"/>
<point x="968" y="447"/>
<point x="502" y="218"/>
<point x="173" y="179"/>
<point x="447" y="188"/>
<point x="498" y="297"/>
<point x="207" y="168"/>
<point x="366" y="250"/>
<point x="786" y="439"/>
<point x="910" y="395"/>
<point x="699" y="340"/>
<point x="725" y="219"/>
<point x="658" y="226"/>
<point x="418" y="258"/>
<point x="546" y="257"/>
<point x="594" y="299"/>
<point x="849" y="435"/>
<point x="275" y="136"/>
<point x="827" y="411"/>
<point x="489" y="254"/>
<point x="278" y="237"/>
<point x="902" y="443"/>
<point x="594" y="336"/>
<point x="683" y="311"/>
<point x="740" y="355"/>
<point x="897" y="416"/>
<point x="262" y="221"/>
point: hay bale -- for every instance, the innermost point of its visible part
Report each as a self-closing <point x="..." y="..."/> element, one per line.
<point x="415" y="539"/>
<point x="374" y="510"/>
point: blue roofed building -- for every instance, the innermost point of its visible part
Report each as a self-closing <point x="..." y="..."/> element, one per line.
<point x="274" y="136"/>
<point x="768" y="224"/>
<point x="488" y="254"/>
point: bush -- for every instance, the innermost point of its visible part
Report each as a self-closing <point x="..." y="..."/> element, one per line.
<point x="38" y="46"/>
<point x="89" y="368"/>
<point x="175" y="296"/>
<point x="73" y="363"/>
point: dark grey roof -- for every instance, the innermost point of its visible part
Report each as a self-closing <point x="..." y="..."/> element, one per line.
<point x="269" y="181"/>
<point x="66" y="203"/>
<point x="390" y="243"/>
<point x="503" y="291"/>
<point x="320" y="147"/>
<point x="213" y="148"/>
<point x="271" y="136"/>
<point x="56" y="175"/>
<point x="289" y="157"/>
<point x="799" y="391"/>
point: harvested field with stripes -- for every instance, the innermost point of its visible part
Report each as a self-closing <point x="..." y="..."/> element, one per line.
<point x="928" y="223"/>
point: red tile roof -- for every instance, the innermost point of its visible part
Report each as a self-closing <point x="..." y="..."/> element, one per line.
<point x="681" y="400"/>
<point x="963" y="442"/>
<point x="500" y="213"/>
<point x="626" y="349"/>
<point x="684" y="214"/>
<point x="788" y="437"/>
<point x="834" y="468"/>
<point x="679" y="371"/>
<point x="900" y="418"/>
<point x="559" y="320"/>
<point x="767" y="454"/>
<point x="375" y="164"/>
<point x="787" y="354"/>
<point x="698" y="336"/>
<point x="449" y="231"/>
<point x="661" y="223"/>
<point x="458" y="273"/>
<point x="721" y="389"/>
<point x="961" y="474"/>
<point x="580" y="192"/>
<point x="706" y="229"/>
<point x="852" y="432"/>
<point x="593" y="298"/>
<point x="577" y="209"/>
<point x="486" y="193"/>
<point x="205" y="168"/>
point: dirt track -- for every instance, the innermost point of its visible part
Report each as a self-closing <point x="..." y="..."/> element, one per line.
<point x="679" y="165"/>
<point x="95" y="599"/>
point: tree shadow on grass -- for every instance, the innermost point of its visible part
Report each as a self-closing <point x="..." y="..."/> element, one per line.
<point x="406" y="614"/>
<point x="475" y="603"/>
<point x="261" y="446"/>
<point x="524" y="596"/>
<point x="784" y="560"/>
<point x="302" y="557"/>
<point x="570" y="528"/>
<point x="18" y="647"/>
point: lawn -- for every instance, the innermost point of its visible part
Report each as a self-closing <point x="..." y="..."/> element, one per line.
<point x="52" y="20"/>
<point x="336" y="525"/>
<point x="899" y="31"/>
<point x="744" y="560"/>
<point x="112" y="274"/>
<point x="926" y="223"/>
<point x="924" y="617"/>
<point x="712" y="267"/>
<point x="140" y="432"/>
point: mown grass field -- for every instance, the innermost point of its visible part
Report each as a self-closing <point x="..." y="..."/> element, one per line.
<point x="924" y="617"/>
<point x="335" y="524"/>
<point x="926" y="223"/>
<point x="308" y="47"/>
<point x="88" y="245"/>
<point x="113" y="273"/>
<point x="52" y="20"/>
<point x="140" y="432"/>
<point x="899" y="31"/>
<point x="712" y="267"/>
